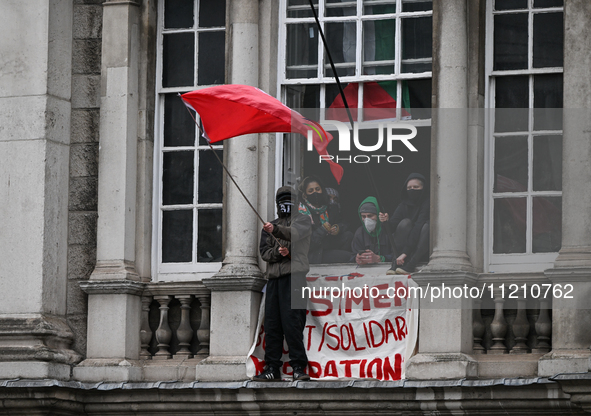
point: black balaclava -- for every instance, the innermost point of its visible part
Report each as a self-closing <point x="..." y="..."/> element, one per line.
<point x="285" y="201"/>
<point x="415" y="195"/>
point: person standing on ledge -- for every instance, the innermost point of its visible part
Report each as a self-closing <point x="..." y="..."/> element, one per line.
<point x="411" y="224"/>
<point x="287" y="266"/>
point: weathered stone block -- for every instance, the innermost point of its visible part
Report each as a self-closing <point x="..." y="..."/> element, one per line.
<point x="88" y="21"/>
<point x="85" y="126"/>
<point x="84" y="160"/>
<point x="86" y="56"/>
<point x="86" y="91"/>
<point x="77" y="303"/>
<point x="81" y="261"/>
<point x="83" y="194"/>
<point x="78" y="325"/>
<point x="82" y="228"/>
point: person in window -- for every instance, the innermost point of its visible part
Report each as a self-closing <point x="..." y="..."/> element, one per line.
<point x="327" y="243"/>
<point x="410" y="223"/>
<point x="284" y="246"/>
<point x="335" y="212"/>
<point x="370" y="244"/>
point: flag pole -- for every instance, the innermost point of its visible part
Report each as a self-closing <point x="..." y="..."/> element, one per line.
<point x="342" y="93"/>
<point x="228" y="173"/>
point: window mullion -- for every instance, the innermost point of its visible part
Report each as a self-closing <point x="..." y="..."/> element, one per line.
<point x="359" y="38"/>
<point x="321" y="52"/>
<point x="530" y="36"/>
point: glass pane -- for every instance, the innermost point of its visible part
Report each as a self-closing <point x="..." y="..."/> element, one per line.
<point x="178" y="51"/>
<point x="510" y="41"/>
<point x="334" y="100"/>
<point x="209" y="235"/>
<point x="178" y="14"/>
<point x="548" y="102"/>
<point x="300" y="8"/>
<point x="341" y="41"/>
<point x="380" y="100"/>
<point x="379" y="46"/>
<point x="341" y="8"/>
<point x="302" y="96"/>
<point x="211" y="68"/>
<point x="210" y="177"/>
<point x="179" y="127"/>
<point x="417" y="42"/>
<point x="510" y="164"/>
<point x="416" y="5"/>
<point x="177" y="178"/>
<point x="509" y="225"/>
<point x="547" y="224"/>
<point x="511" y="94"/>
<point x="419" y="94"/>
<point x="379" y="6"/>
<point x="510" y="4"/>
<point x="548" y="3"/>
<point x="212" y="13"/>
<point x="302" y="51"/>
<point x="177" y="236"/>
<point x="548" y="40"/>
<point x="547" y="169"/>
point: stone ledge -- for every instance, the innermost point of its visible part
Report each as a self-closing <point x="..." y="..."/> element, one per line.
<point x="441" y="366"/>
<point x="461" y="397"/>
<point x="112" y="287"/>
<point x="226" y="284"/>
<point x="36" y="338"/>
<point x="176" y="288"/>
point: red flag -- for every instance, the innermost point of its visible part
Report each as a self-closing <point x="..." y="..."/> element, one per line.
<point x="233" y="110"/>
<point x="378" y="102"/>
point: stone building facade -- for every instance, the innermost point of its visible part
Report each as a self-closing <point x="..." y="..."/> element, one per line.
<point x="98" y="316"/>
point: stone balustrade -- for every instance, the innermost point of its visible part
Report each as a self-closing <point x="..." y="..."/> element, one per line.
<point x="175" y="321"/>
<point x="507" y="322"/>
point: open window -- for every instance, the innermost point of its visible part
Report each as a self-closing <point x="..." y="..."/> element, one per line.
<point x="382" y="51"/>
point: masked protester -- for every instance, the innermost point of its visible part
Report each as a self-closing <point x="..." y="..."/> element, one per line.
<point x="370" y="244"/>
<point x="284" y="246"/>
<point x="330" y="241"/>
<point x="411" y="224"/>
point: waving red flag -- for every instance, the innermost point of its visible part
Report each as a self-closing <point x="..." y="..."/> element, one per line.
<point x="233" y="110"/>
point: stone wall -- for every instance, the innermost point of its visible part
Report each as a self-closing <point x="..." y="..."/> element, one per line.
<point x="86" y="71"/>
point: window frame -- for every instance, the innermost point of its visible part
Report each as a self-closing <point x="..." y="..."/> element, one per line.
<point x="194" y="270"/>
<point x="513" y="262"/>
<point x="323" y="80"/>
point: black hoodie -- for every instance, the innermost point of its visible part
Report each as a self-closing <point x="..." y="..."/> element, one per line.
<point x="418" y="212"/>
<point x="293" y="232"/>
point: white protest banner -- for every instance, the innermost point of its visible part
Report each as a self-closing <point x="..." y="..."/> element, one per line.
<point x="360" y="324"/>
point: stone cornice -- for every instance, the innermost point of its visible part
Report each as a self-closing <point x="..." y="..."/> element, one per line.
<point x="112" y="287"/>
<point x="254" y="284"/>
<point x="176" y="288"/>
<point x="120" y="2"/>
<point x="451" y="278"/>
<point x="571" y="274"/>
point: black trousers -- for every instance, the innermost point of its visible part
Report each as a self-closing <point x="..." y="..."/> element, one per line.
<point x="401" y="236"/>
<point x="281" y="320"/>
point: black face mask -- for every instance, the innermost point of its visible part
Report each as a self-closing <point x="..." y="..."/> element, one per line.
<point x="284" y="209"/>
<point x="414" y="194"/>
<point x="317" y="199"/>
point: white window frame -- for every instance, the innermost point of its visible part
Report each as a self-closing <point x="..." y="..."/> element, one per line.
<point x="322" y="80"/>
<point x="512" y="262"/>
<point x="194" y="270"/>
